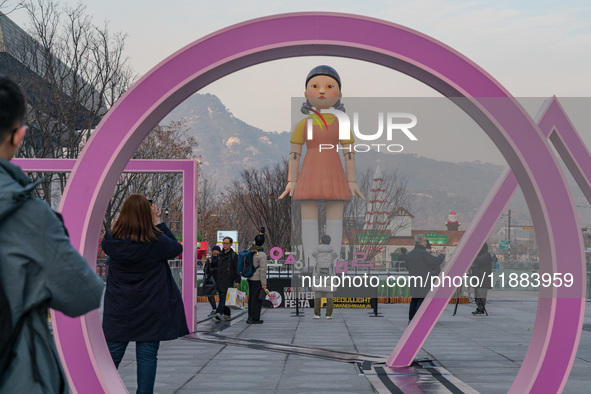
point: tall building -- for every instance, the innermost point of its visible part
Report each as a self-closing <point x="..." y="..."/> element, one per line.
<point x="42" y="76"/>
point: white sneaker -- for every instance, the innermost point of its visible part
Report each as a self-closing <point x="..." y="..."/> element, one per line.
<point x="328" y="317"/>
<point x="316" y="316"/>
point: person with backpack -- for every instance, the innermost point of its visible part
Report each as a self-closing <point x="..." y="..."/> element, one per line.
<point x="228" y="276"/>
<point x="325" y="257"/>
<point x="257" y="283"/>
<point x="39" y="268"/>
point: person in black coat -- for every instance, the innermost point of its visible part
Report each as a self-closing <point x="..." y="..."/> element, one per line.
<point x="142" y="301"/>
<point x="423" y="264"/>
<point x="482" y="268"/>
<point x="402" y="258"/>
<point x="228" y="276"/>
<point x="211" y="268"/>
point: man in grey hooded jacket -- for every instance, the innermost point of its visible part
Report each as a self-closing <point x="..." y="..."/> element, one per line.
<point x="324" y="268"/>
<point x="39" y="268"/>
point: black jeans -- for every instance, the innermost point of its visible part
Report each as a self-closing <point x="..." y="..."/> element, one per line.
<point x="480" y="298"/>
<point x="415" y="304"/>
<point x="222" y="308"/>
<point x="254" y="303"/>
<point x="211" y="300"/>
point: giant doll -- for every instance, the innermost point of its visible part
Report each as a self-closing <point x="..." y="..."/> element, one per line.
<point x="321" y="177"/>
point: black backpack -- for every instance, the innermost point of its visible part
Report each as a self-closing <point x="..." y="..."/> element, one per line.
<point x="10" y="334"/>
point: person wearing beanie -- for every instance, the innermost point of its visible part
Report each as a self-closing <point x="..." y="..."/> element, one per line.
<point x="211" y="268"/>
<point x="258" y="281"/>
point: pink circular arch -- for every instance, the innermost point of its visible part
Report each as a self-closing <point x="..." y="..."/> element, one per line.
<point x="559" y="320"/>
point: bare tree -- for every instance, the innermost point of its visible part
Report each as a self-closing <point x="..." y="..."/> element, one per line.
<point x="165" y="189"/>
<point x="8" y="6"/>
<point x="369" y="225"/>
<point x="210" y="208"/>
<point x="253" y="201"/>
<point x="72" y="71"/>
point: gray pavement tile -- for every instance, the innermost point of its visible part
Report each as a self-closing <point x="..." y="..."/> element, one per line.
<point x="358" y="390"/>
<point x="492" y="372"/>
<point x="223" y="391"/>
<point x="319" y="383"/>
<point x="215" y="383"/>
<point x="484" y="353"/>
<point x="317" y="363"/>
<point x="303" y="369"/>
<point x="478" y="364"/>
<point x="240" y="370"/>
<point x="490" y="387"/>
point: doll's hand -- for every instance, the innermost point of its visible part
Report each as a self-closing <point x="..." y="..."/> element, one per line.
<point x="354" y="189"/>
<point x="288" y="190"/>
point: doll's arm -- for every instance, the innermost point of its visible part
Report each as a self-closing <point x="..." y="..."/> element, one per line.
<point x="351" y="171"/>
<point x="294" y="167"/>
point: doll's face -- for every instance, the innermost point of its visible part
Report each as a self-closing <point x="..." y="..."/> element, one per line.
<point x="323" y="92"/>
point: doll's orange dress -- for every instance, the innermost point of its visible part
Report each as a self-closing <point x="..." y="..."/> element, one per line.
<point x="322" y="176"/>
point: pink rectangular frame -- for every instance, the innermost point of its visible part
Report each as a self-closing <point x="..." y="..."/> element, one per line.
<point x="189" y="170"/>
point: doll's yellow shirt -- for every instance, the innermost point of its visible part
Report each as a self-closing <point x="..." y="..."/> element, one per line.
<point x="298" y="136"/>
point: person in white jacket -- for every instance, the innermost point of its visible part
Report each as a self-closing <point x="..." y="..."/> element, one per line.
<point x="258" y="282"/>
<point x="325" y="257"/>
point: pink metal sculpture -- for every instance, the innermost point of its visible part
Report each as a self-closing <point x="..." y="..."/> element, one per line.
<point x="558" y="324"/>
<point x="554" y="124"/>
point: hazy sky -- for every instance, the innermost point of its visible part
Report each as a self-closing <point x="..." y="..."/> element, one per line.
<point x="534" y="48"/>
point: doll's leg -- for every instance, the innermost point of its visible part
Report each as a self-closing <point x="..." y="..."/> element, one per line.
<point x="309" y="230"/>
<point x="334" y="224"/>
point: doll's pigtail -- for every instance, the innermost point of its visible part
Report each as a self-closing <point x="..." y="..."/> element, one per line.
<point x="339" y="106"/>
<point x="306" y="107"/>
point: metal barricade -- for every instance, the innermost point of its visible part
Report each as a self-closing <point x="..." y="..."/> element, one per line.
<point x="176" y="267"/>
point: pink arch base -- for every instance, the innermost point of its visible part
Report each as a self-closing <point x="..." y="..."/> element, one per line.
<point x="394" y="46"/>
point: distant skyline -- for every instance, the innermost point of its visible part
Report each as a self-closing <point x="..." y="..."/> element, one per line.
<point x="533" y="48"/>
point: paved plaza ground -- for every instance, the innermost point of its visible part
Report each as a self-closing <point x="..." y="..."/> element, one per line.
<point x="304" y="355"/>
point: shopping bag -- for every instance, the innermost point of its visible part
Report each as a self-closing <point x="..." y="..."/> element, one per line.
<point x="273" y="298"/>
<point x="235" y="299"/>
<point x="269" y="295"/>
<point x="207" y="286"/>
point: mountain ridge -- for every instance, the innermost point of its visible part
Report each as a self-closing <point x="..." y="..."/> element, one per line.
<point x="228" y="144"/>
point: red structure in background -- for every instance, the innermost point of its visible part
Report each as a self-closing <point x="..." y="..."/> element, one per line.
<point x="202" y="249"/>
